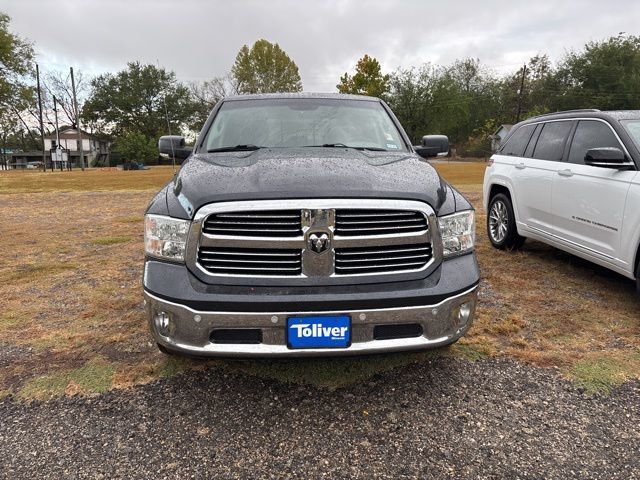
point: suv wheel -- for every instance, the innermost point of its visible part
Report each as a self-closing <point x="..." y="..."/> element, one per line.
<point x="501" y="224"/>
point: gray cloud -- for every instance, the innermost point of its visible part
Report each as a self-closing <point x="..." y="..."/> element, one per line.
<point x="199" y="39"/>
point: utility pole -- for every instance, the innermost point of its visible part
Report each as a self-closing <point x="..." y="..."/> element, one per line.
<point x="44" y="155"/>
<point x="520" y="92"/>
<point x="58" y="152"/>
<point x="75" y="107"/>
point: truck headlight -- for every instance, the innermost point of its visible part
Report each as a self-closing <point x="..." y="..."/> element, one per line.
<point x="458" y="232"/>
<point x="165" y="237"/>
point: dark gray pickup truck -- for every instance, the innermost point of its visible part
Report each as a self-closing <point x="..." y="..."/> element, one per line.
<point x="307" y="225"/>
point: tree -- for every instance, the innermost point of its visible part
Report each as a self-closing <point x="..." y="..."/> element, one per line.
<point x="265" y="68"/>
<point x="16" y="94"/>
<point x="16" y="63"/>
<point x="368" y="79"/>
<point x="136" y="146"/>
<point x="133" y="100"/>
<point x="58" y="84"/>
<point x="604" y="75"/>
<point x="410" y="97"/>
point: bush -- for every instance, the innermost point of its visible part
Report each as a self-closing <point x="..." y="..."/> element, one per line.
<point x="136" y="147"/>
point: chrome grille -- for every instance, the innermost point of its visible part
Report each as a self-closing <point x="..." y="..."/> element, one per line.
<point x="272" y="223"/>
<point x="251" y="261"/>
<point x="396" y="258"/>
<point x="300" y="241"/>
<point x="359" y="222"/>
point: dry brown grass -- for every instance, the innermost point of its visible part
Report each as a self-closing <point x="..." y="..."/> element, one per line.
<point x="91" y="180"/>
<point x="72" y="319"/>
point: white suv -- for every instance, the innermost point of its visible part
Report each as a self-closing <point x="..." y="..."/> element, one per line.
<point x="571" y="180"/>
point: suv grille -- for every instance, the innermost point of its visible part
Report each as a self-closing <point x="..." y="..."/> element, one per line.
<point x="274" y="223"/>
<point x="396" y="258"/>
<point x="355" y="222"/>
<point x="248" y="261"/>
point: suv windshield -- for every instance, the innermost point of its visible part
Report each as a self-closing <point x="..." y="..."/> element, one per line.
<point x="303" y="122"/>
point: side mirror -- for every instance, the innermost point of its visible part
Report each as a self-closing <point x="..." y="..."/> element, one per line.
<point x="433" y="146"/>
<point x="170" y="145"/>
<point x="607" y="157"/>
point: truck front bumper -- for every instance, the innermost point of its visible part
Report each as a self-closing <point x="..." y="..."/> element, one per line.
<point x="185" y="314"/>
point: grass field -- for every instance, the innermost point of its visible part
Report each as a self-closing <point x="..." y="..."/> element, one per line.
<point x="72" y="319"/>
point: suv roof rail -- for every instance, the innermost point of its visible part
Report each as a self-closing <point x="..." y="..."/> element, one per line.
<point x="578" y="110"/>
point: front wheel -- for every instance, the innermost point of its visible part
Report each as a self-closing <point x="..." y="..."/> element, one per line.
<point x="501" y="224"/>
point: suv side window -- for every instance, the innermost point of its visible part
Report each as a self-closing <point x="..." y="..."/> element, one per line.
<point x="591" y="134"/>
<point x="518" y="141"/>
<point x="532" y="143"/>
<point x="552" y="139"/>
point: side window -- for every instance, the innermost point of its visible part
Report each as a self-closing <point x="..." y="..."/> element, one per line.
<point x="532" y="143"/>
<point x="518" y="141"/>
<point x="552" y="139"/>
<point x="591" y="134"/>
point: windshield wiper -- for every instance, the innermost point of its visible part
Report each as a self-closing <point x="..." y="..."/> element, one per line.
<point x="342" y="145"/>
<point x="236" y="148"/>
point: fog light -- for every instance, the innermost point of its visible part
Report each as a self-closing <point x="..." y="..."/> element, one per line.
<point x="163" y="323"/>
<point x="462" y="314"/>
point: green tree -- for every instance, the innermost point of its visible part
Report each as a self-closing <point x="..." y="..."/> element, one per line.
<point x="410" y="97"/>
<point x="368" y="79"/>
<point x="16" y="93"/>
<point x="604" y="75"/>
<point x="265" y="68"/>
<point x="136" y="146"/>
<point x="133" y="100"/>
<point x="16" y="63"/>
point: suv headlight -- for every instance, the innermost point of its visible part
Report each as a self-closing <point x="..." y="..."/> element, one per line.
<point x="165" y="237"/>
<point x="458" y="232"/>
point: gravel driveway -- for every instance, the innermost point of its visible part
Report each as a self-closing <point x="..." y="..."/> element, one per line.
<point x="447" y="418"/>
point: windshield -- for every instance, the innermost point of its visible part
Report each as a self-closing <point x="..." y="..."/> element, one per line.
<point x="304" y="122"/>
<point x="633" y="127"/>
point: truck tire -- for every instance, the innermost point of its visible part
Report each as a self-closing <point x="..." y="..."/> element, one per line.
<point x="501" y="224"/>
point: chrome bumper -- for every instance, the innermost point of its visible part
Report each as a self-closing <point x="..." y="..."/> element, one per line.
<point x="189" y="330"/>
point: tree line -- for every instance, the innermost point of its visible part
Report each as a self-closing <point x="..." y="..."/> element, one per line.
<point x="465" y="100"/>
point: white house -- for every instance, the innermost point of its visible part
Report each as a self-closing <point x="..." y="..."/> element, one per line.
<point x="94" y="150"/>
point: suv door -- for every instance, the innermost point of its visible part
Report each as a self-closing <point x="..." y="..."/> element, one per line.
<point x="534" y="176"/>
<point x="589" y="202"/>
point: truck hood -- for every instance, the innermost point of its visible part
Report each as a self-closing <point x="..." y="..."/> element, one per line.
<point x="302" y="173"/>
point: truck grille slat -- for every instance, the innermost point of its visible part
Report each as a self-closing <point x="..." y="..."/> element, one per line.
<point x="378" y="222"/>
<point x="261" y="215"/>
<point x="418" y="248"/>
<point x="397" y="258"/>
<point x="247" y="253"/>
<point x="275" y="223"/>
<point x="244" y="261"/>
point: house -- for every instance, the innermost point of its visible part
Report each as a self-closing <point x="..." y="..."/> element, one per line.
<point x="95" y="150"/>
<point x="499" y="135"/>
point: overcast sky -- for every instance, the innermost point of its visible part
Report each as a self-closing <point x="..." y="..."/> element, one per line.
<point x="199" y="39"/>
